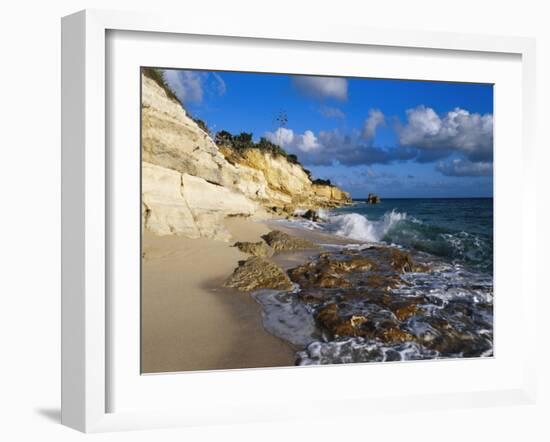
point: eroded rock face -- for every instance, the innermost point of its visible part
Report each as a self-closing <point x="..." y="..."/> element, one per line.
<point x="173" y="142"/>
<point x="258" y="273"/>
<point x="282" y="242"/>
<point x="164" y="209"/>
<point x="181" y="204"/>
<point x="259" y="248"/>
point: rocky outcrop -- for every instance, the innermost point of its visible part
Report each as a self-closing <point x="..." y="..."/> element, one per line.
<point x="258" y="273"/>
<point x="287" y="184"/>
<point x="259" y="248"/>
<point x="282" y="242"/>
<point x="182" y="204"/>
<point x="373" y="199"/>
<point x="328" y="272"/>
<point x="190" y="184"/>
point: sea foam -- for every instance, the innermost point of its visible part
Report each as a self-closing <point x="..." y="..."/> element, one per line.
<point x="359" y="227"/>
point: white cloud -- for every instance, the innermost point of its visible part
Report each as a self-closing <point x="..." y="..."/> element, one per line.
<point x="329" y="147"/>
<point x="283" y="137"/>
<point x="192" y="86"/>
<point x="287" y="139"/>
<point x="460" y="168"/>
<point x="331" y="112"/>
<point x="457" y="130"/>
<point x="322" y="87"/>
<point x="187" y="85"/>
<point x="220" y="86"/>
<point x="308" y="142"/>
<point x="375" y="119"/>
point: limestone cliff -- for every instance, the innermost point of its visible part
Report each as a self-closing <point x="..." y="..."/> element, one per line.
<point x="189" y="184"/>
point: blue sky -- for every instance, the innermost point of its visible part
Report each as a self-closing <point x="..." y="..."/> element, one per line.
<point x="395" y="138"/>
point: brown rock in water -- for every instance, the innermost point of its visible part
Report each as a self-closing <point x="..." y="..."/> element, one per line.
<point x="311" y="276"/>
<point x="404" y="310"/>
<point x="311" y="215"/>
<point x="331" y="281"/>
<point x="258" y="273"/>
<point x="393" y="334"/>
<point x="329" y="273"/>
<point x="385" y="282"/>
<point x="387" y="330"/>
<point x="259" y="248"/>
<point x="402" y="262"/>
<point x="373" y="199"/>
<point x="330" y="319"/>
<point x="282" y="242"/>
<point x="353" y="264"/>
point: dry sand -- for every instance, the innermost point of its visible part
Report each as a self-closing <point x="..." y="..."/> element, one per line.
<point x="189" y="322"/>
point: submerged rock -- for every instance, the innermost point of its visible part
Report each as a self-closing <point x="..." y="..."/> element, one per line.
<point x="327" y="272"/>
<point x="258" y="273"/>
<point x="403" y="262"/>
<point x="282" y="242"/>
<point x="335" y="321"/>
<point x="330" y="319"/>
<point x="259" y="248"/>
<point x="385" y="282"/>
<point x="311" y="215"/>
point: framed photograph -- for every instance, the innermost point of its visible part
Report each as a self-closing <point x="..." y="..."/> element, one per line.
<point x="262" y="223"/>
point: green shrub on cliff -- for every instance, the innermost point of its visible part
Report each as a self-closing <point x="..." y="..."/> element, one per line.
<point x="157" y="75"/>
<point x="243" y="141"/>
<point x="322" y="182"/>
<point x="201" y="124"/>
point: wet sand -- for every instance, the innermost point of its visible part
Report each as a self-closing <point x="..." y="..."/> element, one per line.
<point x="189" y="322"/>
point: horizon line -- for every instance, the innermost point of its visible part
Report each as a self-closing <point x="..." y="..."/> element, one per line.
<point x="426" y="197"/>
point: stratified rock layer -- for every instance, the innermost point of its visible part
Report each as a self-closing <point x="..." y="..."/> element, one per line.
<point x="189" y="186"/>
<point x="178" y="203"/>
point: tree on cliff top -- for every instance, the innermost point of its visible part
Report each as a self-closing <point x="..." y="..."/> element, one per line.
<point x="243" y="141"/>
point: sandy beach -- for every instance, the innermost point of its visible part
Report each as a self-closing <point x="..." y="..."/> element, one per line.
<point x="189" y="322"/>
<point x="317" y="276"/>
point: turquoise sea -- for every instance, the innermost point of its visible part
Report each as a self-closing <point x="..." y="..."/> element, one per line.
<point x="454" y="313"/>
<point x="459" y="230"/>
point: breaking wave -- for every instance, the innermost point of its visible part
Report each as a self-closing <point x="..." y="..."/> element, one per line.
<point x="359" y="227"/>
<point x="400" y="229"/>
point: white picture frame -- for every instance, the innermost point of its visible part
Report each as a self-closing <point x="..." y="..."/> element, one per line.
<point x="86" y="199"/>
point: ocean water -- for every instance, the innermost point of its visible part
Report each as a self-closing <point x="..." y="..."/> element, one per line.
<point x="459" y="230"/>
<point x="454" y="299"/>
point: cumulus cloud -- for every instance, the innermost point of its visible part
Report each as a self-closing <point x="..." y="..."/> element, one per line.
<point x="330" y="147"/>
<point x="321" y="87"/>
<point x="191" y="86"/>
<point x="308" y="142"/>
<point x="375" y="119"/>
<point x="437" y="136"/>
<point x="331" y="112"/>
<point x="295" y="143"/>
<point x="462" y="168"/>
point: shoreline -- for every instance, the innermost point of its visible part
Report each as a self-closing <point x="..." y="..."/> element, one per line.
<point x="189" y="320"/>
